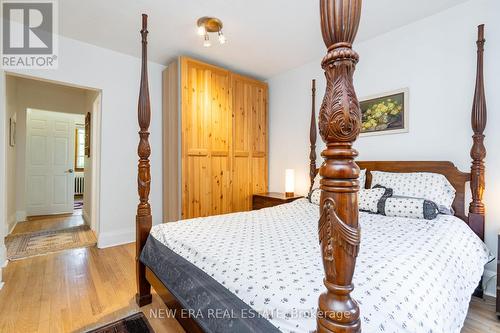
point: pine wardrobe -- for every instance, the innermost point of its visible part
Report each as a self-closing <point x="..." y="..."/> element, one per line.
<point x="215" y="140"/>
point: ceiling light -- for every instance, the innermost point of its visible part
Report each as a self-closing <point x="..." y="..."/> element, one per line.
<point x="208" y="25"/>
<point x="201" y="30"/>
<point x="222" y="38"/>
<point x="206" y="41"/>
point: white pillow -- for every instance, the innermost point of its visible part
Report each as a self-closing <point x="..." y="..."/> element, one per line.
<point x="315" y="196"/>
<point x="368" y="199"/>
<point x="430" y="186"/>
<point x="362" y="178"/>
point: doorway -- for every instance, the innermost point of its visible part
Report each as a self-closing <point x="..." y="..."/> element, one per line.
<point x="53" y="192"/>
<point x="51" y="150"/>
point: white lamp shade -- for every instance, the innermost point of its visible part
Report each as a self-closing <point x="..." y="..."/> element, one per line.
<point x="289" y="180"/>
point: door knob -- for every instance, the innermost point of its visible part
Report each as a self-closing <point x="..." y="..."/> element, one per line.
<point x="70" y="171"/>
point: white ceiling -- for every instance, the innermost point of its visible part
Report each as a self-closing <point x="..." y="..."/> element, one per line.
<point x="265" y="37"/>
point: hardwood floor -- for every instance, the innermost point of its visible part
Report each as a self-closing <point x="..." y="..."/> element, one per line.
<point x="50" y="222"/>
<point x="482" y="317"/>
<point x="76" y="290"/>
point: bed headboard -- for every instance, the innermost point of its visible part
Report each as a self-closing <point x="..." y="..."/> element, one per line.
<point x="475" y="217"/>
<point x="456" y="177"/>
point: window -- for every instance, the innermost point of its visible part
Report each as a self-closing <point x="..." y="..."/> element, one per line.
<point x="79" y="147"/>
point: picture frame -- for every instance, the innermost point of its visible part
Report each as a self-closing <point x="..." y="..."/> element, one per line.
<point x="87" y="134"/>
<point x="12" y="132"/>
<point x="385" y="113"/>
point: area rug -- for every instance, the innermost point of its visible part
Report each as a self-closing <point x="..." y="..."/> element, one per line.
<point x="136" y="323"/>
<point x="78" y="205"/>
<point x="39" y="243"/>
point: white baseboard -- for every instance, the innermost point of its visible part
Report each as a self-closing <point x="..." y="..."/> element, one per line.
<point x="86" y="218"/>
<point x="4" y="262"/>
<point x="21" y="216"/>
<point x="489" y="278"/>
<point x="3" y="255"/>
<point x="11" y="223"/>
<point x="12" y="227"/>
<point x="108" y="239"/>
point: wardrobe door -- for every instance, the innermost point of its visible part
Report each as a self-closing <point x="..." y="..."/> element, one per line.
<point x="220" y="143"/>
<point x="241" y="144"/>
<point x="249" y="140"/>
<point x="258" y="136"/>
<point x="206" y="129"/>
<point x="171" y="144"/>
<point x="195" y="109"/>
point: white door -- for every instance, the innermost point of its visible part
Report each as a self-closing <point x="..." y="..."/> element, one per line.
<point x="50" y="152"/>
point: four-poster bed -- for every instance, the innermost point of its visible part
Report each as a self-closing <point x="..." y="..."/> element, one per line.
<point x="338" y="229"/>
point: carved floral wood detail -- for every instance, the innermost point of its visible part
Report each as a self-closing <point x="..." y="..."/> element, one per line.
<point x="478" y="121"/>
<point x="478" y="150"/>
<point x="339" y="126"/>
<point x="143" y="218"/>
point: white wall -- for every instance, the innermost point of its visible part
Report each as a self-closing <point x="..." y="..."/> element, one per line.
<point x="3" y="174"/>
<point x="435" y="58"/>
<point x="117" y="76"/>
<point x="90" y="100"/>
<point x="11" y="113"/>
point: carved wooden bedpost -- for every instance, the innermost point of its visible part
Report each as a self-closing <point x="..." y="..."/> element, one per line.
<point x="478" y="151"/>
<point x="339" y="126"/>
<point x="312" y="138"/>
<point x="143" y="218"/>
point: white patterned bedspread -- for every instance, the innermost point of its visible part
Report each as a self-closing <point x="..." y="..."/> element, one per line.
<point x="411" y="275"/>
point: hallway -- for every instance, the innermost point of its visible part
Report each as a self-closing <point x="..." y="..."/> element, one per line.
<point x="54" y="222"/>
<point x="50" y="171"/>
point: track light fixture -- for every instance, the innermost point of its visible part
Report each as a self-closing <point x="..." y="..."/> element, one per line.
<point x="208" y="25"/>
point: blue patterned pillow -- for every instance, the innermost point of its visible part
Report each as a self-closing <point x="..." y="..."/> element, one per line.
<point x="415" y="208"/>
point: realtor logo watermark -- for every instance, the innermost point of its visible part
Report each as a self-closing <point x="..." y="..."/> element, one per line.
<point x="29" y="34"/>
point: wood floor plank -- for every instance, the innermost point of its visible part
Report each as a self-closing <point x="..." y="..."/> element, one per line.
<point x="54" y="222"/>
<point x="80" y="289"/>
<point x="73" y="291"/>
<point x="43" y="323"/>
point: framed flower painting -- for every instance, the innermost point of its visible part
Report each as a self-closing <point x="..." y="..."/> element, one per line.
<point x="385" y="113"/>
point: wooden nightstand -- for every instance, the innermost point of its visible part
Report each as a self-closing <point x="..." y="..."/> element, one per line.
<point x="270" y="199"/>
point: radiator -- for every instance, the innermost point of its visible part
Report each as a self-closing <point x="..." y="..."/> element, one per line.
<point x="79" y="184"/>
